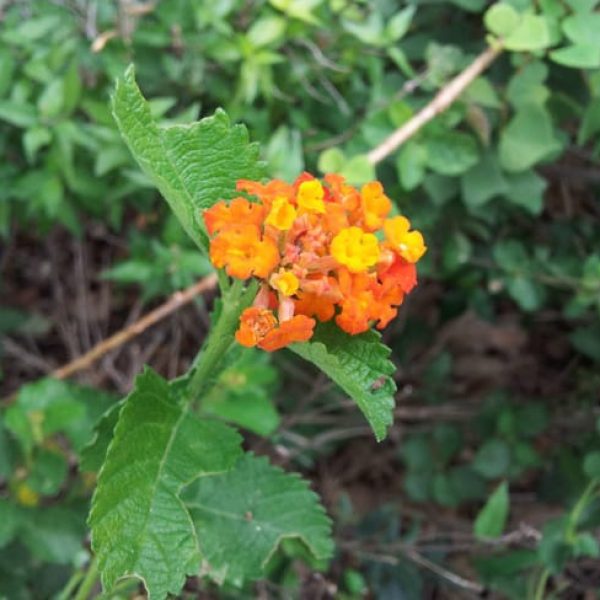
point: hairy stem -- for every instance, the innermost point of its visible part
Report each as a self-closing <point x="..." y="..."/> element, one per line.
<point x="220" y="338"/>
<point x="88" y="582"/>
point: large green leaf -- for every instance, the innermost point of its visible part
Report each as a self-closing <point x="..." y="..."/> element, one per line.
<point x="359" y="365"/>
<point x="193" y="165"/>
<point x="139" y="525"/>
<point x="242" y="516"/>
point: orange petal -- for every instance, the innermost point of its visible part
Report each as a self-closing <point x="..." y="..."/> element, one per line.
<point x="298" y="329"/>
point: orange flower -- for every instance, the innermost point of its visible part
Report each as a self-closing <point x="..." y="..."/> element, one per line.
<point x="375" y="204"/>
<point x="240" y="250"/>
<point x="239" y="211"/>
<point x="313" y="246"/>
<point x="313" y="305"/>
<point x="297" y="329"/>
<point x="255" y="324"/>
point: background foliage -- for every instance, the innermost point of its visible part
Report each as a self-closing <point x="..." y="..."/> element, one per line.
<point x="491" y="470"/>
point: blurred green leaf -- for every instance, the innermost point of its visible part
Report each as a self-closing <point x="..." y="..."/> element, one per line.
<point x="483" y="182"/>
<point x="586" y="340"/>
<point x="10" y="521"/>
<point x="266" y="31"/>
<point x="591" y="464"/>
<point x="532" y="33"/>
<point x="411" y="164"/>
<point x="451" y="152"/>
<point x="527" y="139"/>
<point x="492" y="459"/>
<point x="501" y="19"/>
<point x="526" y="190"/>
<point x="491" y="519"/>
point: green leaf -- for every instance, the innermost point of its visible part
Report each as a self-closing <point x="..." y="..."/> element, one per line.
<point x="511" y="256"/>
<point x="582" y="29"/>
<point x="10" y="520"/>
<point x="331" y="160"/>
<point x="49" y="406"/>
<point x="265" y="31"/>
<point x="532" y="33"/>
<point x="587" y="341"/>
<point x="47" y="473"/>
<point x="54" y="533"/>
<point x="525" y="292"/>
<point x="527" y="85"/>
<point x="411" y="164"/>
<point x="491" y="519"/>
<point x="457" y="251"/>
<point x="590" y="124"/>
<point x="527" y="139"/>
<point x="492" y="459"/>
<point x="243" y="515"/>
<point x="579" y="56"/>
<point x="93" y="454"/>
<point x="139" y="525"/>
<point x="194" y="165"/>
<point x="527" y="191"/>
<point x="483" y="182"/>
<point x="18" y="113"/>
<point x="34" y="139"/>
<point x="284" y="153"/>
<point x="243" y="393"/>
<point x="591" y="464"/>
<point x="451" y="152"/>
<point x="358" y="170"/>
<point x="501" y="19"/>
<point x="359" y="364"/>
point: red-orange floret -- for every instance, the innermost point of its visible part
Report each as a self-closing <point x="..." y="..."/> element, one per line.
<point x="297" y="329"/>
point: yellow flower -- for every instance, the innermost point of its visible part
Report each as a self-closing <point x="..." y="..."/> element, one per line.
<point x="355" y="249"/>
<point x="410" y="245"/>
<point x="282" y="214"/>
<point x="310" y="196"/>
<point x="26" y="496"/>
<point x="286" y="282"/>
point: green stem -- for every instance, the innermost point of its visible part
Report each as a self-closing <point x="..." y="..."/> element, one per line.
<point x="88" y="582"/>
<point x="220" y="338"/>
<point x="73" y="582"/>
<point x="540" y="588"/>
<point x="578" y="509"/>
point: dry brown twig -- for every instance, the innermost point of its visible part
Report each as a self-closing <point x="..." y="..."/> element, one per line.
<point x="175" y="302"/>
<point x="444" y="99"/>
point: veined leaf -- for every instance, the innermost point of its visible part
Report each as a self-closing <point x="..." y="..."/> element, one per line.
<point x="193" y="165"/>
<point x="359" y="365"/>
<point x="242" y="516"/>
<point x="139" y="525"/>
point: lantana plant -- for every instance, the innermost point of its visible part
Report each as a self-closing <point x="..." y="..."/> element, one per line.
<point x="310" y="265"/>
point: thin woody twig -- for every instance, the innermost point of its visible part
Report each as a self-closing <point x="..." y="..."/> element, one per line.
<point x="446" y="96"/>
<point x="175" y="302"/>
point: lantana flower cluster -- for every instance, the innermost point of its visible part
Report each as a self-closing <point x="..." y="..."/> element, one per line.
<point x="321" y="250"/>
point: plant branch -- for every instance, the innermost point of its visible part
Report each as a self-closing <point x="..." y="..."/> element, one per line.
<point x="175" y="302"/>
<point x="220" y="338"/>
<point x="445" y="98"/>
